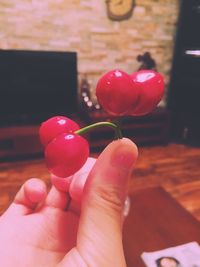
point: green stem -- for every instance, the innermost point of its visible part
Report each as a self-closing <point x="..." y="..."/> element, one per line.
<point x="116" y="128"/>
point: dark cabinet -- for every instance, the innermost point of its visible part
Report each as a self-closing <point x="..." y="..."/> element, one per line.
<point x="184" y="90"/>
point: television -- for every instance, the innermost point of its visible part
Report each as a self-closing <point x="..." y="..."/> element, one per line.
<point x="35" y="85"/>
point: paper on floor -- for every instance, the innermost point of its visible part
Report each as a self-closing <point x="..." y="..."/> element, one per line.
<point x="186" y="255"/>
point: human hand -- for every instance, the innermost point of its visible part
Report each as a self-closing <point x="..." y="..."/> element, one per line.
<point x="83" y="229"/>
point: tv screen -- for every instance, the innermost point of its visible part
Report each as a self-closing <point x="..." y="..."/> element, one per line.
<point x="35" y="85"/>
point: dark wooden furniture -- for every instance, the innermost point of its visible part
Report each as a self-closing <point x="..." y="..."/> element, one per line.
<point x="145" y="130"/>
<point x="156" y="221"/>
<point x="184" y="87"/>
<point x="23" y="140"/>
<point x="19" y="141"/>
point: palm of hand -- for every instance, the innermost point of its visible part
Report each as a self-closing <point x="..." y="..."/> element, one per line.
<point x="37" y="238"/>
<point x="40" y="229"/>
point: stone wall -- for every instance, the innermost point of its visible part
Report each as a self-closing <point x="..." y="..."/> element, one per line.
<point x="83" y="26"/>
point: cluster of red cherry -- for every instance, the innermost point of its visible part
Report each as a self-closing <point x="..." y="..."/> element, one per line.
<point x="119" y="93"/>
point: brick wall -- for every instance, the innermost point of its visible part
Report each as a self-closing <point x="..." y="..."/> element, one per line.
<point x="83" y="26"/>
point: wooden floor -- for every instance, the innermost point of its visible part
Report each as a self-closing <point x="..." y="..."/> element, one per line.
<point x="175" y="167"/>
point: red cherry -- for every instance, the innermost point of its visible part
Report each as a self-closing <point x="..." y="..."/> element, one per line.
<point x="55" y="126"/>
<point x="151" y="91"/>
<point x="115" y="92"/>
<point x="66" y="154"/>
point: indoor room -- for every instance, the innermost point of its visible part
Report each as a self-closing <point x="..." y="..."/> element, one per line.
<point x="56" y="59"/>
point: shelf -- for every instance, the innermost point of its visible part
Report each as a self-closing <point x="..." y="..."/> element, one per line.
<point x="19" y="141"/>
<point x="146" y="130"/>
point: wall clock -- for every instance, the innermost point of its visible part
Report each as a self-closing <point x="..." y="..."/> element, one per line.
<point x="120" y="9"/>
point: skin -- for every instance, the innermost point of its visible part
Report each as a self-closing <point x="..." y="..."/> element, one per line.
<point x="78" y="223"/>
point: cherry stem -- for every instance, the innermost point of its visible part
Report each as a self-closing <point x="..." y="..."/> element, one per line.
<point x="116" y="128"/>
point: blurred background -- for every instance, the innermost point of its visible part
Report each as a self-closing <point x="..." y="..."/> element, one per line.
<point x="53" y="52"/>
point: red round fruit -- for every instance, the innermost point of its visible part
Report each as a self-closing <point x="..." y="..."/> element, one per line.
<point x="151" y="85"/>
<point x="115" y="92"/>
<point x="55" y="126"/>
<point x="66" y="154"/>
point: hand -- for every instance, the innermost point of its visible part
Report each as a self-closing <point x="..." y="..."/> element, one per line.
<point x="49" y="229"/>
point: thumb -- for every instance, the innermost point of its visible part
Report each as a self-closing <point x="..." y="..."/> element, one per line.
<point x="100" y="229"/>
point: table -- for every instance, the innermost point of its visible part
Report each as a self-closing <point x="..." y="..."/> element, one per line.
<point x="156" y="221"/>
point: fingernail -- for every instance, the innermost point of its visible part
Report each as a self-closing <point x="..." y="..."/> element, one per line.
<point x="125" y="154"/>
